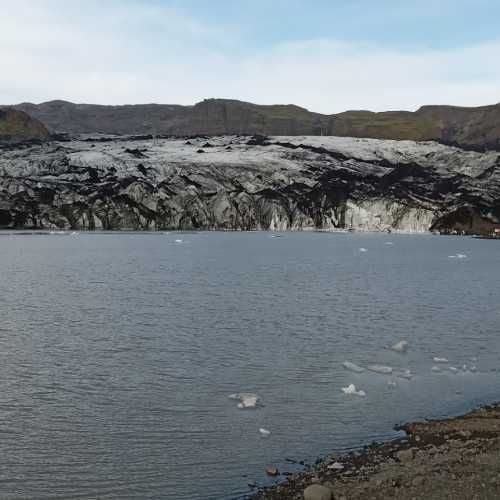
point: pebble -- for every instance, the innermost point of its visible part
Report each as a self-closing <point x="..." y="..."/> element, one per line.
<point x="272" y="471"/>
<point x="404" y="455"/>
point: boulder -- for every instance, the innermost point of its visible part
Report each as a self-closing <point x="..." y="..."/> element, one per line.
<point x="317" y="492"/>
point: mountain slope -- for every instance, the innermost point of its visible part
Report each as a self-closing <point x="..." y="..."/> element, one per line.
<point x="475" y="128"/>
<point x="17" y="126"/>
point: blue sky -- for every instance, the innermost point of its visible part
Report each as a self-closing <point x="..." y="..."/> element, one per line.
<point x="328" y="56"/>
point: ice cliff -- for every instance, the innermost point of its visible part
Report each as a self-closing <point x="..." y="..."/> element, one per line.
<point x="241" y="182"/>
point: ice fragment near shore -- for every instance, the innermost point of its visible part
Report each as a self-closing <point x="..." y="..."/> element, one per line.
<point x="383" y="370"/>
<point x="351" y="390"/>
<point x="401" y="346"/>
<point x="247" y="400"/>
<point x="335" y="466"/>
<point x="352" y="367"/>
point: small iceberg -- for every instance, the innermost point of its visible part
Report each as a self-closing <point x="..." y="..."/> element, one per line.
<point x="458" y="256"/>
<point x="407" y="374"/>
<point x="439" y="360"/>
<point x="363" y="249"/>
<point x="264" y="432"/>
<point x="453" y="369"/>
<point x="351" y="390"/>
<point x="335" y="466"/>
<point x="435" y="369"/>
<point x="401" y="346"/>
<point x="179" y="241"/>
<point x="247" y="399"/>
<point x="383" y="370"/>
<point x="352" y="367"/>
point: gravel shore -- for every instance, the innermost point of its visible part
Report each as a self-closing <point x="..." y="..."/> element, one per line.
<point x="457" y="458"/>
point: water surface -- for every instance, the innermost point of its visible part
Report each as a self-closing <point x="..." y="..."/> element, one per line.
<point x="118" y="352"/>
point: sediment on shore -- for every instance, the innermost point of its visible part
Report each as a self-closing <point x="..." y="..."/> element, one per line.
<point x="456" y="458"/>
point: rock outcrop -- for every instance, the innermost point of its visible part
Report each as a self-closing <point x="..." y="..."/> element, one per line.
<point x="17" y="126"/>
<point x="233" y="182"/>
<point x="474" y="128"/>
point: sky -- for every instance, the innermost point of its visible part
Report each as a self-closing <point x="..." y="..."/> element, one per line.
<point x="325" y="55"/>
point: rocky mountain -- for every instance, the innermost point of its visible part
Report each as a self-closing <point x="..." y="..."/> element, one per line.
<point x="474" y="128"/>
<point x="236" y="182"/>
<point x="17" y="126"/>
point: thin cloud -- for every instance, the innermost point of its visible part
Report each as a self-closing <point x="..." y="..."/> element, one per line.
<point x="143" y="54"/>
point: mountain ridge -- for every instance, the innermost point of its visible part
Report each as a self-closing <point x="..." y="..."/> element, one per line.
<point x="476" y="128"/>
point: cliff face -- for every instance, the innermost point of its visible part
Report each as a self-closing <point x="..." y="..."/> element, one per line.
<point x="17" y="126"/>
<point x="231" y="182"/>
<point x="476" y="128"/>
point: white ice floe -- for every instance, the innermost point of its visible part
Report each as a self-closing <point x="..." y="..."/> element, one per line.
<point x="391" y="383"/>
<point x="351" y="390"/>
<point x="179" y="241"/>
<point x="389" y="243"/>
<point x="247" y="399"/>
<point x="401" y="346"/>
<point x="335" y="466"/>
<point x="407" y="374"/>
<point x="264" y="432"/>
<point x="464" y="368"/>
<point x="435" y="369"/>
<point x="439" y="360"/>
<point x="383" y="370"/>
<point x="74" y="233"/>
<point x="458" y="256"/>
<point x="363" y="249"/>
<point x="453" y="369"/>
<point x="353" y="367"/>
<point x="473" y="368"/>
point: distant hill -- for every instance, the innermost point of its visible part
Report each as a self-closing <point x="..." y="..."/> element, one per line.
<point x="17" y="126"/>
<point x="475" y="128"/>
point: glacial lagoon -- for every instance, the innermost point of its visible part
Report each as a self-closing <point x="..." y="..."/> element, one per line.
<point x="119" y="352"/>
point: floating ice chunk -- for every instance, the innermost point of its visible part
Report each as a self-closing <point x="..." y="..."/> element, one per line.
<point x="353" y="367"/>
<point x="389" y="243"/>
<point x="458" y="256"/>
<point x="464" y="368"/>
<point x="453" y="369"/>
<point x="435" y="369"/>
<point x="335" y="466"/>
<point x="401" y="346"/>
<point x="247" y="399"/>
<point x="473" y="359"/>
<point x="439" y="360"/>
<point x="363" y="249"/>
<point x="473" y="368"/>
<point x="264" y="432"/>
<point x="383" y="370"/>
<point x="74" y="233"/>
<point x="391" y="383"/>
<point x="179" y="241"/>
<point x="407" y="374"/>
<point x="351" y="390"/>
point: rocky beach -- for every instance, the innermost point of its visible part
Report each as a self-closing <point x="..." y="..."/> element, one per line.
<point x="453" y="458"/>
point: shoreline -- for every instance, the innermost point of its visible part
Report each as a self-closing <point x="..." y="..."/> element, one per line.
<point x="457" y="457"/>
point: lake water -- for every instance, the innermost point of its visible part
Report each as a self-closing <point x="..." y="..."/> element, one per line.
<point x="118" y="353"/>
